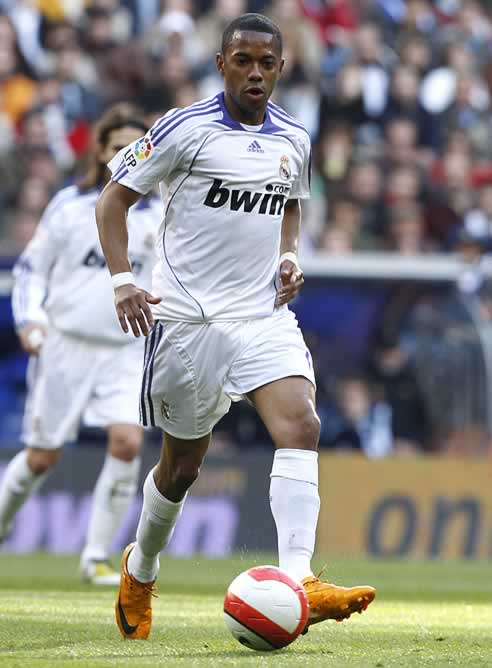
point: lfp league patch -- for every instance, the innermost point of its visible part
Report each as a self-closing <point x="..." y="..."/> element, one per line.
<point x="139" y="151"/>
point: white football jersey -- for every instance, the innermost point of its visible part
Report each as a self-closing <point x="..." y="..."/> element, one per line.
<point x="62" y="279"/>
<point x="225" y="191"/>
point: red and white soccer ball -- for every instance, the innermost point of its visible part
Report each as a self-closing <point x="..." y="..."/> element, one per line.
<point x="265" y="609"/>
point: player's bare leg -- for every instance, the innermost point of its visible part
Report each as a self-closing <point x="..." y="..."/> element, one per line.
<point x="23" y="476"/>
<point x="287" y="408"/>
<point x="165" y="492"/>
<point x="114" y="492"/>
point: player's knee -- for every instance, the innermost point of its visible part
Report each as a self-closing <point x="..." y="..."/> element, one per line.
<point x="41" y="461"/>
<point x="308" y="429"/>
<point x="300" y="431"/>
<point x="126" y="445"/>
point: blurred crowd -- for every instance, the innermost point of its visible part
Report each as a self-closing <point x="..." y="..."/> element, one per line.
<point x="395" y="94"/>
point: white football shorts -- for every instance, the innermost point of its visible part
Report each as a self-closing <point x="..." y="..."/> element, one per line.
<point x="74" y="380"/>
<point x="193" y="371"/>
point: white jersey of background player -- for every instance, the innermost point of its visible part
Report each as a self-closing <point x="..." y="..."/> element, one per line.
<point x="236" y="166"/>
<point x="87" y="367"/>
<point x="59" y="279"/>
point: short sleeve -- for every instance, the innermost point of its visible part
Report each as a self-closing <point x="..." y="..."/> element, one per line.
<point x="152" y="158"/>
<point x="301" y="188"/>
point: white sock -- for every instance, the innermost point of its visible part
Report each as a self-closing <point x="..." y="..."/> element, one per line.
<point x="114" y="491"/>
<point x="18" y="483"/>
<point x="154" y="531"/>
<point x="294" y="501"/>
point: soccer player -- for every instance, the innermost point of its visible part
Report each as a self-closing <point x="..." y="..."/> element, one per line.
<point x="235" y="166"/>
<point x="81" y="365"/>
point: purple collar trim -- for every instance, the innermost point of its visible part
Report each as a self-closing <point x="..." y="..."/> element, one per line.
<point x="269" y="127"/>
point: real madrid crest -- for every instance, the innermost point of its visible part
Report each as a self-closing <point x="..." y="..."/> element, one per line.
<point x="165" y="410"/>
<point x="284" y="170"/>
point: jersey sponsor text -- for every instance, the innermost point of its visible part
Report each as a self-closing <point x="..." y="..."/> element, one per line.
<point x="269" y="203"/>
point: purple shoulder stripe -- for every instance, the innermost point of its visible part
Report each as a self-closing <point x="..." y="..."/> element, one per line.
<point x="169" y="119"/>
<point x="120" y="175"/>
<point x="117" y="172"/>
<point x="287" y="119"/>
<point x="170" y="127"/>
<point x="282" y="112"/>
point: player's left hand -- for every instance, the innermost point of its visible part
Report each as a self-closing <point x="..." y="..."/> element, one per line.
<point x="291" y="282"/>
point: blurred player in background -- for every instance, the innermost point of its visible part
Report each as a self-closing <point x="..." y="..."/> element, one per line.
<point x="81" y="365"/>
<point x="236" y="166"/>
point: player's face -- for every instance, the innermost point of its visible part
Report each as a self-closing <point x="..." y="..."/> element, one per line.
<point x="118" y="139"/>
<point x="251" y="67"/>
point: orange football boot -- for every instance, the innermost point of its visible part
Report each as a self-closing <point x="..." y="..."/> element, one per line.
<point x="328" y="601"/>
<point x="134" y="603"/>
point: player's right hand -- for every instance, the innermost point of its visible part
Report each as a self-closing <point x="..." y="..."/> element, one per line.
<point x="132" y="307"/>
<point x="291" y="282"/>
<point x="31" y="337"/>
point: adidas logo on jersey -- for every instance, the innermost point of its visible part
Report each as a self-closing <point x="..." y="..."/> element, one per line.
<point x="270" y="203"/>
<point x="255" y="147"/>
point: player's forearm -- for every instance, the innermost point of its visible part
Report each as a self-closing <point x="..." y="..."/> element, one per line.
<point x="111" y="214"/>
<point x="291" y="226"/>
<point x="28" y="295"/>
<point x="31" y="274"/>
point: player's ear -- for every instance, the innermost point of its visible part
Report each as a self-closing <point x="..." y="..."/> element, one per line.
<point x="281" y="66"/>
<point x="219" y="61"/>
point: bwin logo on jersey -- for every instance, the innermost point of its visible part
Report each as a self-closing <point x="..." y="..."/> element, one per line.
<point x="268" y="203"/>
<point x="255" y="147"/>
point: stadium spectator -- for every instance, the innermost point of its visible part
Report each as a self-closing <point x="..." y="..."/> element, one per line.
<point x="415" y="52"/>
<point x="406" y="232"/>
<point x="362" y="422"/>
<point x="391" y="368"/>
<point x="344" y="232"/>
<point x="17" y="87"/>
<point x="365" y="186"/>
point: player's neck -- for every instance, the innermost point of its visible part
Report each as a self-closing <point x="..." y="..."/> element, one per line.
<point x="254" y="118"/>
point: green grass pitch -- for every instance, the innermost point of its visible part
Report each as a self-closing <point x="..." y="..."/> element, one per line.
<point x="426" y="614"/>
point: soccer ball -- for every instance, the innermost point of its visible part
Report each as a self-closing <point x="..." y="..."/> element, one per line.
<point x="265" y="609"/>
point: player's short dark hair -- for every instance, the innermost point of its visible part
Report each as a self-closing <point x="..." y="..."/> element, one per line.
<point x="253" y="22"/>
